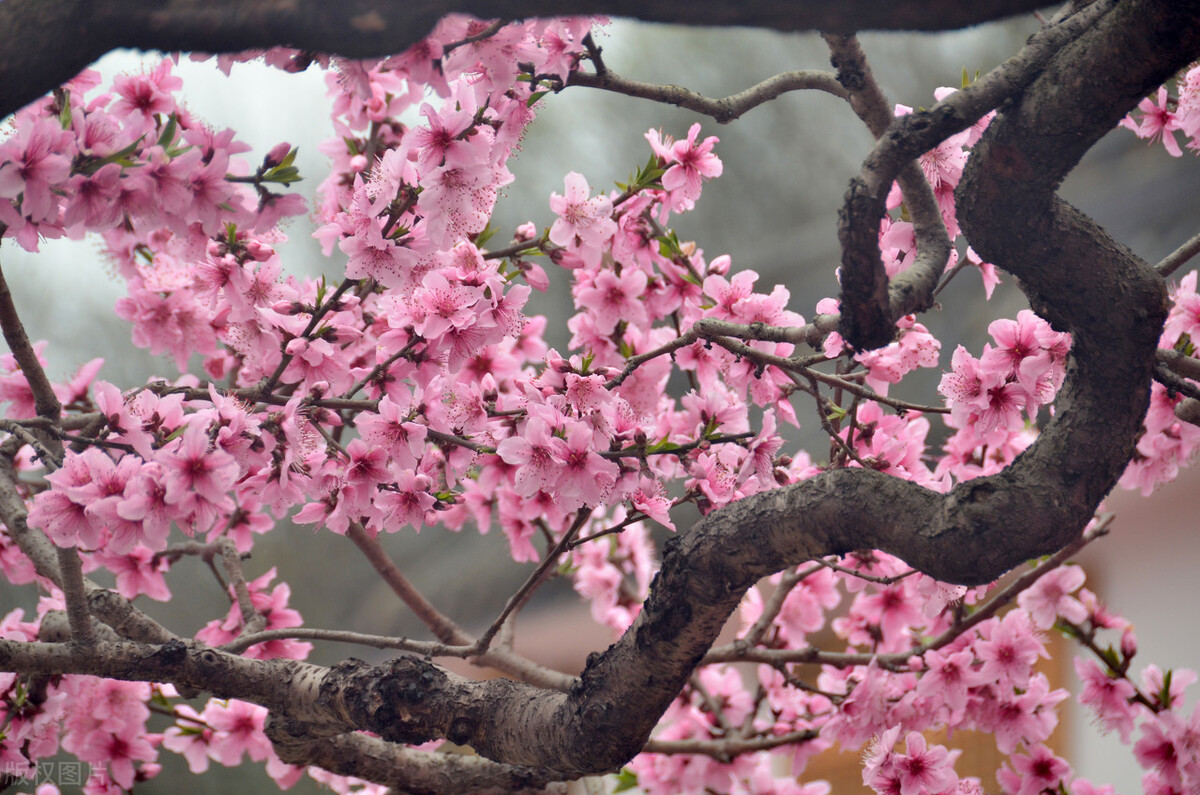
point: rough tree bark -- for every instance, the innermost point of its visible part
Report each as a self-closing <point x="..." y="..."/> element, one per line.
<point x="1075" y="275"/>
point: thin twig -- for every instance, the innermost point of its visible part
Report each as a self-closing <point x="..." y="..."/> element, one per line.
<point x="742" y="349"/>
<point x="866" y="577"/>
<point x="518" y="599"/>
<point x="723" y="110"/>
<point x="424" y="648"/>
<point x="726" y="749"/>
<point x="1167" y="377"/>
<point x="632" y="519"/>
<point x="442" y="627"/>
<point x="486" y="33"/>
<point x="811" y="654"/>
<point x="771" y="607"/>
<point x="267" y="386"/>
<point x="1176" y="259"/>
<point x="633" y="362"/>
<point x="252" y="620"/>
<point x="21" y="432"/>
<point x="44" y="400"/>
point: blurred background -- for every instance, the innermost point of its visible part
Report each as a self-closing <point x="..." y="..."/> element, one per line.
<point x="774" y="211"/>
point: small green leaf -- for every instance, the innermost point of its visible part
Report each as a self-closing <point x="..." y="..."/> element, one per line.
<point x="1164" y="695"/>
<point x="487" y="234"/>
<point x="168" y="132"/>
<point x="284" y="175"/>
<point x="290" y="157"/>
<point x="626" y="780"/>
<point x="64" y="116"/>
<point x="662" y="446"/>
<point x="534" y="97"/>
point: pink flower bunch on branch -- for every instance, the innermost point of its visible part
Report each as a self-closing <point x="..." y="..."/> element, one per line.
<point x="412" y="393"/>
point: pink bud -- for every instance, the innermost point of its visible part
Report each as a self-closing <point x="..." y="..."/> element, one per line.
<point x="535" y="275"/>
<point x="526" y="231"/>
<point x="358" y="163"/>
<point x="259" y="251"/>
<point x="1128" y="643"/>
<point x="277" y="154"/>
<point x="287" y="307"/>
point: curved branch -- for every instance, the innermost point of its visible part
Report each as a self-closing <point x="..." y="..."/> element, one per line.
<point x="1114" y="306"/>
<point x="870" y="306"/>
<point x="724" y="110"/>
<point x="49" y="41"/>
<point x="867" y="321"/>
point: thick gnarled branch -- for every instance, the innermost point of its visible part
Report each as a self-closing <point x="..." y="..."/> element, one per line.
<point x="50" y="41"/>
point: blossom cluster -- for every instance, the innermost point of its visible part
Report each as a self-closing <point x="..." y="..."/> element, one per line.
<point x="416" y="392"/>
<point x="1159" y="117"/>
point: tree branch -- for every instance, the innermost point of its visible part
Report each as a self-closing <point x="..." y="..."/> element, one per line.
<point x="723" y="110"/>
<point x="867" y="320"/>
<point x="870" y="307"/>
<point x="50" y="41"/>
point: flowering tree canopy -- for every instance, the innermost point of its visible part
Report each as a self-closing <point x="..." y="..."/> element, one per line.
<point x="410" y="389"/>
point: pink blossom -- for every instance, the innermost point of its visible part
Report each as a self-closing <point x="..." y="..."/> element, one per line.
<point x="1010" y="649"/>
<point x="1156" y="122"/>
<point x="1111" y="697"/>
<point x="406" y="503"/>
<point x="538" y="456"/>
<point x="585" y="474"/>
<point x="33" y="164"/>
<point x="193" y="470"/>
<point x="922" y="769"/>
<point x="1050" y="597"/>
<point x="1034" y="774"/>
<point x="584" y="221"/>
<point x="237" y="731"/>
<point x="689" y="164"/>
<point x="613" y="298"/>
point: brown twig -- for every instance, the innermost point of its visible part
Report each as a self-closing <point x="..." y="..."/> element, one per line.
<point x="518" y="599"/>
<point x="812" y="655"/>
<point x="723" y="110"/>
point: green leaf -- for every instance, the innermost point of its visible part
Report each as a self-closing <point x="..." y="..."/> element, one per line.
<point x="290" y="157"/>
<point x="168" y="132"/>
<point x="1164" y="695"/>
<point x="668" y="245"/>
<point x="284" y="175"/>
<point x="64" y="116"/>
<point x="626" y="780"/>
<point x="534" y="97"/>
<point x="487" y="234"/>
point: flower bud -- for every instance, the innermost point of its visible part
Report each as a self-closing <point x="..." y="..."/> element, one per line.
<point x="1128" y="644"/>
<point x="276" y="155"/>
